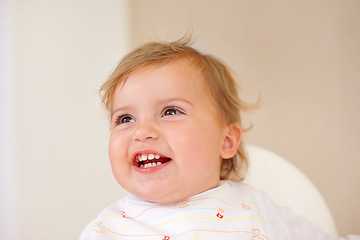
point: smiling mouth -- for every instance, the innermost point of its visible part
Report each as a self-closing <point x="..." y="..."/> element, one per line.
<point x="150" y="160"/>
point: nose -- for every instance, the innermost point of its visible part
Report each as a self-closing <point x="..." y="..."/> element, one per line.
<point x="145" y="131"/>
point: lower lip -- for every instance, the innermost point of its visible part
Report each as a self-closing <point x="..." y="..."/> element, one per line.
<point x="151" y="169"/>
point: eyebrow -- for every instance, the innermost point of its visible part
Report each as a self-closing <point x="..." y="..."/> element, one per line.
<point x="175" y="99"/>
<point x="162" y="101"/>
<point x="117" y="110"/>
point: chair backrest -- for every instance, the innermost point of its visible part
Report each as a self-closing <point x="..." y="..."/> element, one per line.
<point x="289" y="187"/>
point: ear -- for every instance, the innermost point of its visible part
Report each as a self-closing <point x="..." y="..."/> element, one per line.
<point x="231" y="141"/>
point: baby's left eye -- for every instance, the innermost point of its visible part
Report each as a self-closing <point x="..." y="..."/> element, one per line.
<point x="171" y="111"/>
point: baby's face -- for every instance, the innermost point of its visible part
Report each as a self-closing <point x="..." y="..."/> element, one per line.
<point x="167" y="136"/>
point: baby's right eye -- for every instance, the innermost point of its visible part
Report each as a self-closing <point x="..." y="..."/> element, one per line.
<point x="124" y="119"/>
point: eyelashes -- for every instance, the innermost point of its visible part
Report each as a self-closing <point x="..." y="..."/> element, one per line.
<point x="171" y="110"/>
<point x="124" y="118"/>
<point x="166" y="112"/>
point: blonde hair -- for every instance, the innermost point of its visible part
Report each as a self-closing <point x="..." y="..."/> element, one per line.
<point x="221" y="85"/>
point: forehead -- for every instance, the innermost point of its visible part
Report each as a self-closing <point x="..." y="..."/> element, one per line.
<point x="181" y="72"/>
<point x="175" y="79"/>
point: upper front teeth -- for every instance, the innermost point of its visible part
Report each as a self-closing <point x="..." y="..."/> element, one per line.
<point x="151" y="156"/>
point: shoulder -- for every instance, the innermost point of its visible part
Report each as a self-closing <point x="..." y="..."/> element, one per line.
<point x="283" y="224"/>
<point x="95" y="225"/>
<point x="240" y="191"/>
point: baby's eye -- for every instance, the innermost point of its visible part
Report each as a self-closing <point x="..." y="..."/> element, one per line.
<point x="124" y="119"/>
<point x="171" y="111"/>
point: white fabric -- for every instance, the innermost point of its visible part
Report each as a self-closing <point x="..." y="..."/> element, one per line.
<point x="289" y="187"/>
<point x="230" y="211"/>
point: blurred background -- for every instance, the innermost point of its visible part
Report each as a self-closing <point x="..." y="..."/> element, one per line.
<point x="302" y="55"/>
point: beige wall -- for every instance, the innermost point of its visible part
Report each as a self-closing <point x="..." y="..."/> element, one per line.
<point x="64" y="51"/>
<point x="304" y="57"/>
<point x="7" y="155"/>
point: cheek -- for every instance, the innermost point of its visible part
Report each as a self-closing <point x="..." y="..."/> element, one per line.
<point x="112" y="146"/>
<point x="117" y="156"/>
<point x="196" y="147"/>
<point x="116" y="148"/>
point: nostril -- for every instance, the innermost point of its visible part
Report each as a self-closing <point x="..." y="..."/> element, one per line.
<point x="145" y="133"/>
<point x="145" y="137"/>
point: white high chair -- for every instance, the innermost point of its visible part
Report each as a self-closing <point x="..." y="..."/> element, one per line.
<point x="289" y="187"/>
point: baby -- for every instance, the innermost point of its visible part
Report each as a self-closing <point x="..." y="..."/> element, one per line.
<point x="176" y="147"/>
